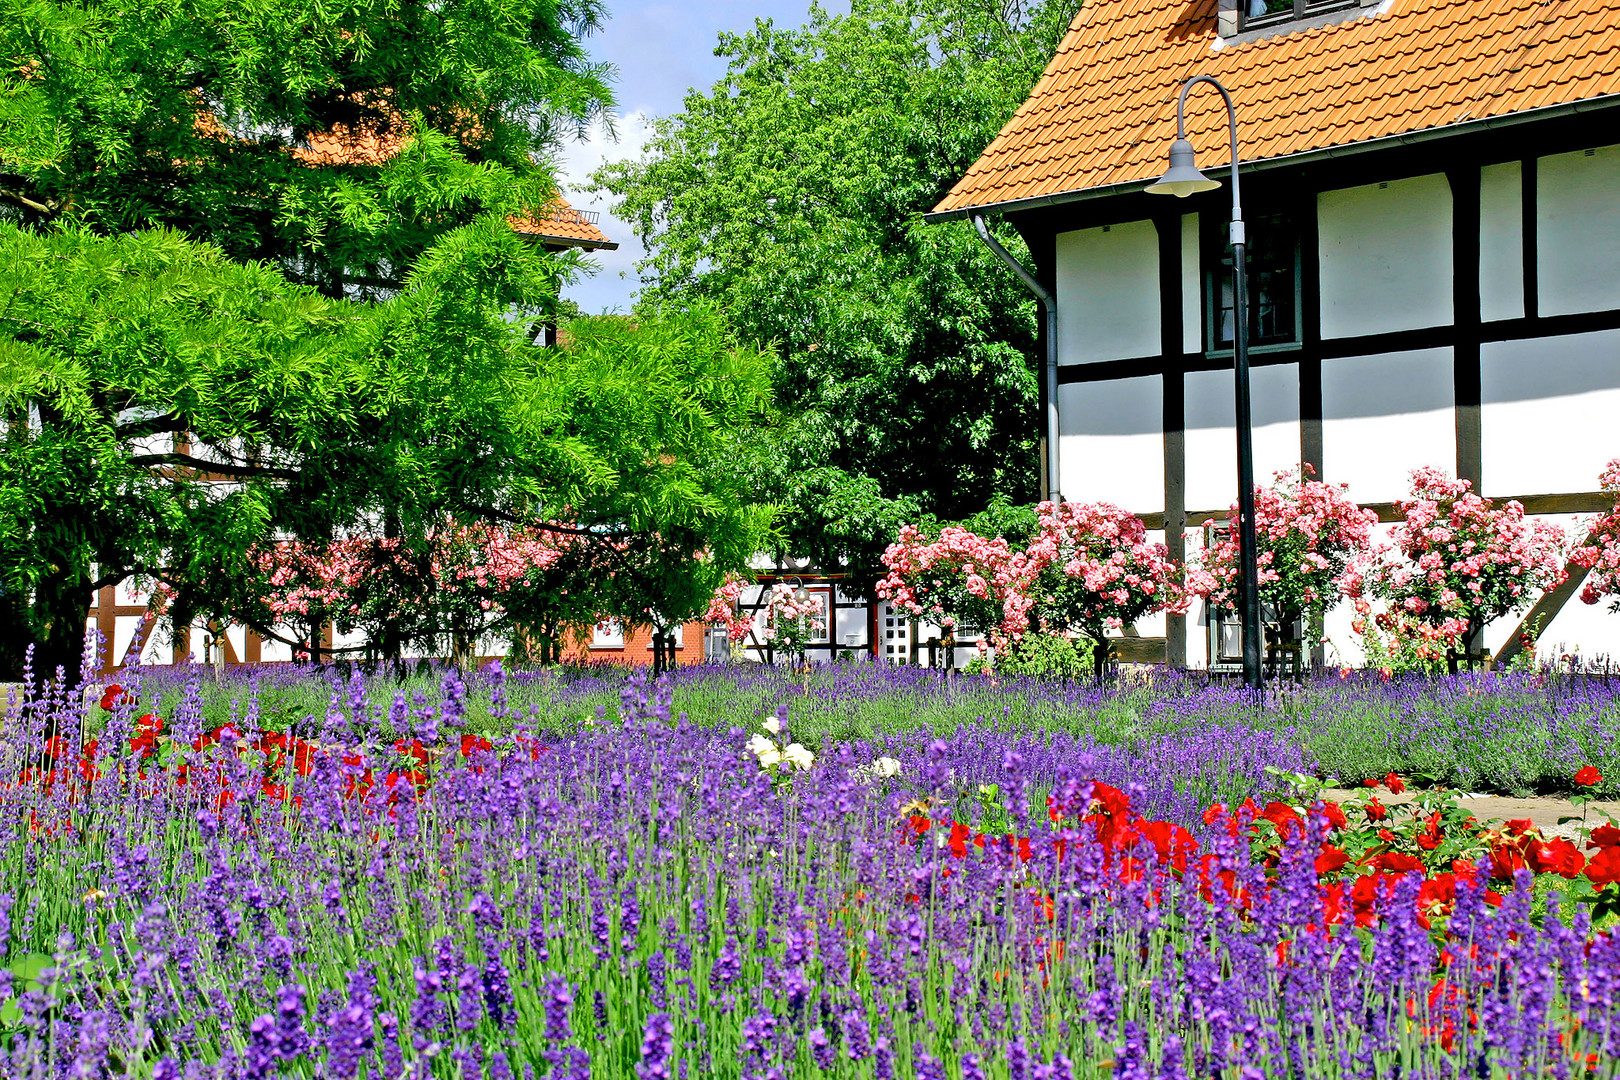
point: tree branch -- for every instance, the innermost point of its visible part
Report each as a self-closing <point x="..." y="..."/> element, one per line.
<point x="246" y="472"/>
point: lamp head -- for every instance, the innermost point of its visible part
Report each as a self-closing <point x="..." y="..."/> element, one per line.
<point x="801" y="594"/>
<point x="1183" y="179"/>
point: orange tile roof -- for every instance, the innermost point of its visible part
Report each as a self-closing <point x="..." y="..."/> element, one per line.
<point x="560" y="223"/>
<point x="557" y="223"/>
<point x="1104" y="112"/>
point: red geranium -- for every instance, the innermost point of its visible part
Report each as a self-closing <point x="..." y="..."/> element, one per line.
<point x="470" y="743"/>
<point x="1394" y="784"/>
<point x="1589" y="777"/>
<point x="111" y="696"/>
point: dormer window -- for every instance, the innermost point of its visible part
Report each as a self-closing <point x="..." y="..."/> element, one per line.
<point x="1259" y="13"/>
<point x="1239" y="21"/>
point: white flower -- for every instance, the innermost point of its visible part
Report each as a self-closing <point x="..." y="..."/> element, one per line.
<point x="759" y="746"/>
<point x="885" y="767"/>
<point x="772" y="725"/>
<point x="771" y="758"/>
<point x="799" y="756"/>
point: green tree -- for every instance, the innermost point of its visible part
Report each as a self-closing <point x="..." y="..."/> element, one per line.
<point x="338" y="140"/>
<point x="792" y="192"/>
<point x="167" y="411"/>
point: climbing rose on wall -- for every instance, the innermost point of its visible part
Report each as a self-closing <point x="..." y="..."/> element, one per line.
<point x="1309" y="533"/>
<point x="960" y="575"/>
<point x="1463" y="560"/>
<point x="1600" y="554"/>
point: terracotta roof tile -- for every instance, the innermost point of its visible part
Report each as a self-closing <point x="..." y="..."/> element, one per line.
<point x="1104" y="110"/>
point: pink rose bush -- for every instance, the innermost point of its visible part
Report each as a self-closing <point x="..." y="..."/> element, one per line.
<point x="1089" y="569"/>
<point x="1600" y="554"/>
<point x="790" y="623"/>
<point x="1462" y="562"/>
<point x="1308" y="533"/>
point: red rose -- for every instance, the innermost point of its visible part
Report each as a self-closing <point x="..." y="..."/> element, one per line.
<point x="1334" y="815"/>
<point x="1519" y="826"/>
<point x="470" y="743"/>
<point x="1604" y="836"/>
<point x="1330" y="860"/>
<point x="1394" y="784"/>
<point x="1604" y="869"/>
<point x="1429" y="838"/>
<point x="110" y="696"/>
<point x="1589" y="777"/>
<point x="1397" y="862"/>
<point x="1375" y="810"/>
<point x="1556" y="856"/>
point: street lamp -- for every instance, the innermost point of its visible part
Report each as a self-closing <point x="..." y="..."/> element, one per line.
<point x="1182" y="180"/>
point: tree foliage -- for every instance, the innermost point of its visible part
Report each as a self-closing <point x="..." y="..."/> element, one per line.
<point x="336" y="139"/>
<point x="168" y="411"/>
<point x="792" y="192"/>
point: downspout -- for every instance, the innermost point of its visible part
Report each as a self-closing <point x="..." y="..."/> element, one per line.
<point x="1049" y="304"/>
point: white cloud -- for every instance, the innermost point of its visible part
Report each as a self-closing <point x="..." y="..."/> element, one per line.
<point x="613" y="288"/>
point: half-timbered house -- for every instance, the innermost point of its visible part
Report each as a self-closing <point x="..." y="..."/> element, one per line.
<point x="1432" y="195"/>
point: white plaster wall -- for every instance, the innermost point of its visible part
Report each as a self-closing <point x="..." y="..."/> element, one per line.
<point x="1192" y="287"/>
<point x="1383" y="416"/>
<point x="1385" y="256"/>
<point x="1501" y="241"/>
<point x="1548" y="414"/>
<point x="1111" y="438"/>
<point x="1108" y="293"/>
<point x="1211" y="431"/>
<point x="1578" y="231"/>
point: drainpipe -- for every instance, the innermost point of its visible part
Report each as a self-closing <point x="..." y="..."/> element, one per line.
<point x="1049" y="306"/>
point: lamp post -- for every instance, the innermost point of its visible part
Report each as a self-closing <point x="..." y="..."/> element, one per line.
<point x="1182" y="180"/>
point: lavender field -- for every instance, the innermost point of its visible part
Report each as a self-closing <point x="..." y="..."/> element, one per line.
<point x="580" y="874"/>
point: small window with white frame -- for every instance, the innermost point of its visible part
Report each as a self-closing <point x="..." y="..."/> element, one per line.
<point x="609" y="634"/>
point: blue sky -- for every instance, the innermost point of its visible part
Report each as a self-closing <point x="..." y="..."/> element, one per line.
<point x="660" y="50"/>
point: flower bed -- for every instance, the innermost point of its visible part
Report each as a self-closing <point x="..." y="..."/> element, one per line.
<point x="475" y="892"/>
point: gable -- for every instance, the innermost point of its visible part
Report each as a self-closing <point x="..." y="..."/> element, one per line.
<point x="1103" y="114"/>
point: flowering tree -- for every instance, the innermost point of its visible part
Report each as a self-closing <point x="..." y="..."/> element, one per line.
<point x="959" y="575"/>
<point x="1464" y="561"/>
<point x="1089" y="569"/>
<point x="460" y="582"/>
<point x="1093" y="570"/>
<point x="1309" y="533"/>
<point x="1600" y="554"/>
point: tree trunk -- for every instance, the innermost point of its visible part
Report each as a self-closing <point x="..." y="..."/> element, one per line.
<point x="1099" y="658"/>
<point x="61" y="612"/>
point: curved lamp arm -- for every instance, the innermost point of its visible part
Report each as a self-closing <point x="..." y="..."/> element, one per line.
<point x="1237" y="236"/>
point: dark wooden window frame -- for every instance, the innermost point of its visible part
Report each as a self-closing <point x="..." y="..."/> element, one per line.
<point x="1213" y="248"/>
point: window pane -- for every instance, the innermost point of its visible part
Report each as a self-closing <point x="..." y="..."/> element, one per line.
<point x="1273" y="269"/>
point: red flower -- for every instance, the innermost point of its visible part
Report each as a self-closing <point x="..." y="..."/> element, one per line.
<point x="1369" y="783"/>
<point x="1334" y="815"/>
<point x="110" y="696"/>
<point x="56" y="747"/>
<point x="958" y="839"/>
<point x="470" y="743"/>
<point x="1589" y="777"/>
<point x="1330" y="860"/>
<point x="1556" y="856"/>
<point x="1604" y="836"/>
<point x="1394" y="784"/>
<point x="1505" y="859"/>
<point x="1604" y="869"/>
<point x="1430" y="837"/>
<point x="1375" y="810"/>
<point x="1397" y="862"/>
<point x="1215" y="812"/>
<point x="1283" y="817"/>
<point x="1519" y="826"/>
<point x="413" y="749"/>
